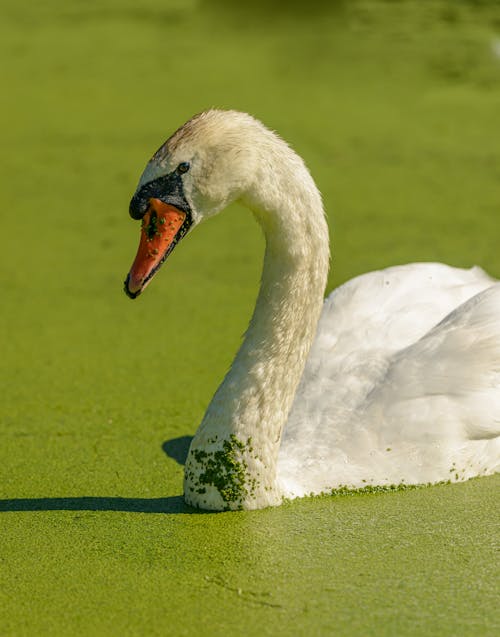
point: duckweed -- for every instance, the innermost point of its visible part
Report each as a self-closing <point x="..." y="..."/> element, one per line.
<point x="343" y="489"/>
<point x="227" y="471"/>
<point x="151" y="227"/>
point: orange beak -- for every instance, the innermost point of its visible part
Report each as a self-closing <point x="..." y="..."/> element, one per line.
<point x="159" y="234"/>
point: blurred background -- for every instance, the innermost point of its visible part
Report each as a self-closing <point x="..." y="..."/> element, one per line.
<point x="395" y="107"/>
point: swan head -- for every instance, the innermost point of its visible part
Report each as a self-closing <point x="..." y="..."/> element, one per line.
<point x="205" y="165"/>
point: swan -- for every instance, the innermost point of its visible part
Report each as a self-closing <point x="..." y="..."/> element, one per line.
<point x="394" y="379"/>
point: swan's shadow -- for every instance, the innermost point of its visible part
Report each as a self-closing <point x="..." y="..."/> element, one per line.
<point x="176" y="448"/>
<point x="172" y="504"/>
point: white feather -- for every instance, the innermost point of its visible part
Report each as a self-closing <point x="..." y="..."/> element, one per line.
<point x="402" y="383"/>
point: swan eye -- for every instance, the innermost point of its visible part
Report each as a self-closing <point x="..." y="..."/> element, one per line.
<point x="183" y="167"/>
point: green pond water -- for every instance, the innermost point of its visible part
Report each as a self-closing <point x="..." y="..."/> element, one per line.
<point x="395" y="108"/>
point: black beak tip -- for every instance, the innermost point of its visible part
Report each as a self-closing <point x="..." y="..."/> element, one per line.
<point x="131" y="295"/>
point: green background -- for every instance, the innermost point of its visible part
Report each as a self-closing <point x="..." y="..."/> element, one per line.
<point x="395" y="106"/>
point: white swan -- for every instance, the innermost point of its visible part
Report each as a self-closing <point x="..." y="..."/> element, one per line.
<point x="393" y="380"/>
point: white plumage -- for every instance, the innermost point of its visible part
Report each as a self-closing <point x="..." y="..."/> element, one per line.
<point x="394" y="379"/>
<point x="402" y="383"/>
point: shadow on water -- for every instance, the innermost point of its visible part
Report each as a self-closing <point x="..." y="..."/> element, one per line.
<point x="172" y="504"/>
<point x="176" y="448"/>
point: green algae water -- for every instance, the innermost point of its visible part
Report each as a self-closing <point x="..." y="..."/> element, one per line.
<point x="394" y="106"/>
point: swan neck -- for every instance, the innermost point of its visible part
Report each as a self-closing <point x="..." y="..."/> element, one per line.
<point x="244" y="422"/>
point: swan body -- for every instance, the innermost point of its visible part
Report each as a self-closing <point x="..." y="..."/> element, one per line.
<point x="393" y="380"/>
<point x="404" y="377"/>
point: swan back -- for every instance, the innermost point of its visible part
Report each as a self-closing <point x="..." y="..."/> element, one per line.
<point x="401" y="379"/>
